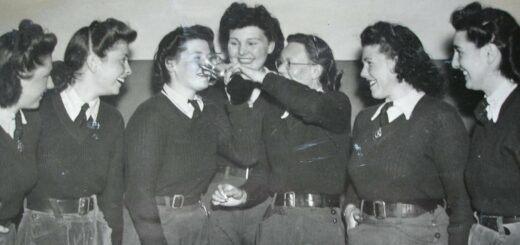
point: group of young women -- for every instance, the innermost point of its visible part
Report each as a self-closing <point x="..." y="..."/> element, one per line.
<point x="264" y="156"/>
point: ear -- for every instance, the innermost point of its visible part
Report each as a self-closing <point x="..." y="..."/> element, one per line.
<point x="316" y="71"/>
<point x="391" y="64"/>
<point x="93" y="62"/>
<point x="270" y="47"/>
<point x="170" y="64"/>
<point x="492" y="54"/>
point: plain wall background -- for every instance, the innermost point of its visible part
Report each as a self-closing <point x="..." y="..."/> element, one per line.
<point x="338" y="22"/>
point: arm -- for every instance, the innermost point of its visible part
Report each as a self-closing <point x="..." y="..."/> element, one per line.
<point x="451" y="145"/>
<point x="328" y="110"/>
<point x="111" y="200"/>
<point x="144" y="148"/>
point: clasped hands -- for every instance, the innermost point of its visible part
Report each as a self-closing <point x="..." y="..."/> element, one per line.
<point x="228" y="196"/>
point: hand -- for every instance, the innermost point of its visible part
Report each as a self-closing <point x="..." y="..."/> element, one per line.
<point x="228" y="195"/>
<point x="239" y="89"/>
<point x="3" y="229"/>
<point x="352" y="216"/>
<point x="248" y="73"/>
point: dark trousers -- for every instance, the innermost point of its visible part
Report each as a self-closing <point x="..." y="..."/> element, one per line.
<point x="181" y="226"/>
<point x="301" y="225"/>
<point x="234" y="226"/>
<point x="428" y="228"/>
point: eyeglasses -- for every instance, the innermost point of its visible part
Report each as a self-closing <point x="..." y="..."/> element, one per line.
<point x="279" y="63"/>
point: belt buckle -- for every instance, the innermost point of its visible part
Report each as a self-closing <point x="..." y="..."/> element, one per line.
<point x="379" y="208"/>
<point x="492" y="222"/>
<point x="84" y="204"/>
<point x="289" y="199"/>
<point x="177" y="201"/>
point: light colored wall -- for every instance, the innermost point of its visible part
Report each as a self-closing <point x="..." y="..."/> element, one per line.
<point x="339" y="22"/>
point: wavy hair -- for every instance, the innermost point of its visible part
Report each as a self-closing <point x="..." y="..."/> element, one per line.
<point x="21" y="52"/>
<point x="413" y="64"/>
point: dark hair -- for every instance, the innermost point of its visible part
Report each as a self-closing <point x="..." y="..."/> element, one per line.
<point x="171" y="45"/>
<point x="239" y="15"/>
<point x="21" y="51"/>
<point x="413" y="64"/>
<point x="490" y="25"/>
<point x="98" y="37"/>
<point x="320" y="53"/>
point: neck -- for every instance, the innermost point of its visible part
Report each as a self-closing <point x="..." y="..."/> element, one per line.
<point x="494" y="82"/>
<point x="84" y="89"/>
<point x="182" y="89"/>
<point x="401" y="90"/>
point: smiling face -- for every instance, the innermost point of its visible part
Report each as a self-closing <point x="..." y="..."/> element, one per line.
<point x="470" y="60"/>
<point x="249" y="46"/>
<point x="113" y="69"/>
<point x="378" y="70"/>
<point x="185" y="68"/>
<point x="34" y="87"/>
<point x="301" y="68"/>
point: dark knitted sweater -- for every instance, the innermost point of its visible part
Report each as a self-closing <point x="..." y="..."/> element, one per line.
<point x="493" y="171"/>
<point x="168" y="153"/>
<point x="76" y="162"/>
<point x="17" y="170"/>
<point x="417" y="159"/>
<point x="307" y="151"/>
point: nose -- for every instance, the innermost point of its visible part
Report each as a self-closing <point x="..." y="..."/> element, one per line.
<point x="50" y="83"/>
<point x="241" y="49"/>
<point x="128" y="70"/>
<point x="364" y="72"/>
<point x="455" y="61"/>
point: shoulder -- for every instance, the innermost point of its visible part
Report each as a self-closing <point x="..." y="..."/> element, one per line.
<point x="435" y="108"/>
<point x="110" y="114"/>
<point x="150" y="109"/>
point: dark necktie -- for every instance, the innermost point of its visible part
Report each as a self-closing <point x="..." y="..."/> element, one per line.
<point x="81" y="119"/>
<point x="18" y="131"/>
<point x="383" y="115"/>
<point x="196" y="111"/>
<point x="481" y="112"/>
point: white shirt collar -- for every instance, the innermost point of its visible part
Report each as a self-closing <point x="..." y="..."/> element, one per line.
<point x="403" y="105"/>
<point x="73" y="104"/>
<point x="181" y="101"/>
<point x="7" y="121"/>
<point x="497" y="99"/>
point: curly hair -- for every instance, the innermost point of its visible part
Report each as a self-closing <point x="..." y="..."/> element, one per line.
<point x="98" y="38"/>
<point x="239" y="15"/>
<point x="21" y="52"/>
<point x="490" y="25"/>
<point x="413" y="65"/>
<point x="320" y="53"/>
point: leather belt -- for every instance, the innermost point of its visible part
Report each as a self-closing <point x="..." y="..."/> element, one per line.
<point x="235" y="171"/>
<point x="496" y="222"/>
<point x="382" y="209"/>
<point x="80" y="206"/>
<point x="292" y="199"/>
<point x="176" y="201"/>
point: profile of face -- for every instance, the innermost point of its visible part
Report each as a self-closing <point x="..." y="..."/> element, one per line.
<point x="185" y="67"/>
<point x="294" y="63"/>
<point x="469" y="59"/>
<point x="249" y="46"/>
<point x="378" y="70"/>
<point x="113" y="69"/>
<point x="34" y="87"/>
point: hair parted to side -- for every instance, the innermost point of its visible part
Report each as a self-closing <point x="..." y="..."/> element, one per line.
<point x="21" y="52"/>
<point x="98" y="37"/>
<point x="320" y="53"/>
<point x="171" y="45"/>
<point x="413" y="64"/>
<point x="491" y="25"/>
<point x="239" y="15"/>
